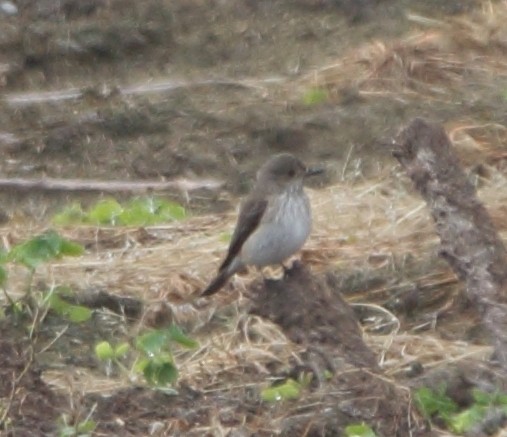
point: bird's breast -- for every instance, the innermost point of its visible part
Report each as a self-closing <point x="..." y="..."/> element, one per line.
<point x="294" y="217"/>
<point x="282" y="232"/>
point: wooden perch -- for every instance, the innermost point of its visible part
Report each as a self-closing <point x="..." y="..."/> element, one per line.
<point x="311" y="312"/>
<point x="469" y="241"/>
<point x="83" y="185"/>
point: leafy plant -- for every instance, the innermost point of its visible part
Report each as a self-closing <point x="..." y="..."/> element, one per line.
<point x="289" y="389"/>
<point x="105" y="351"/>
<point x="73" y="313"/>
<point x="3" y="275"/>
<point x="315" y="95"/>
<point x="483" y="403"/>
<point x="437" y="404"/>
<point x="359" y="430"/>
<point x="154" y="358"/>
<point x="109" y="212"/>
<point x="105" y="212"/>
<point x="71" y="214"/>
<point x="45" y="247"/>
<point x="84" y="428"/>
<point x="327" y="375"/>
<point x="31" y="253"/>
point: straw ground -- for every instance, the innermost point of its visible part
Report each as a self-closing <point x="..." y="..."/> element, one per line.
<point x="372" y="235"/>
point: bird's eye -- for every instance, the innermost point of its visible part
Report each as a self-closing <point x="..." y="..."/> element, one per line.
<point x="292" y="172"/>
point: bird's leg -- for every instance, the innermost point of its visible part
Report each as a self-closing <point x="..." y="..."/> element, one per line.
<point x="296" y="263"/>
<point x="286" y="270"/>
<point x="269" y="277"/>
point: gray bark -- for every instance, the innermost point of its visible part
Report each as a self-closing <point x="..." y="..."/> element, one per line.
<point x="469" y="240"/>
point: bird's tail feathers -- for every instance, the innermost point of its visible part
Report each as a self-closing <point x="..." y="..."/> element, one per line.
<point x="217" y="283"/>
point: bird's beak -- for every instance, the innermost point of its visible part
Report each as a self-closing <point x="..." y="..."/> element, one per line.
<point x="313" y="171"/>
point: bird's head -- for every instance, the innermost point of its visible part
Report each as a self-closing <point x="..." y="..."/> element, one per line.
<point x="285" y="169"/>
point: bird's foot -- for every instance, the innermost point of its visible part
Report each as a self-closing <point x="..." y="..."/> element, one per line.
<point x="287" y="270"/>
<point x="272" y="273"/>
<point x="270" y="281"/>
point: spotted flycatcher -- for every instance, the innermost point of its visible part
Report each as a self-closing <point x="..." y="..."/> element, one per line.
<point x="274" y="220"/>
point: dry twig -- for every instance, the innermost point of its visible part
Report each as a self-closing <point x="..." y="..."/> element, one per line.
<point x="52" y="184"/>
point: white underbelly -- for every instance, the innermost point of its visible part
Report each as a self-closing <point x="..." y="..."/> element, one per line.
<point x="278" y="239"/>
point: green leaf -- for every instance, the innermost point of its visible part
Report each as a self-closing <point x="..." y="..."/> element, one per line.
<point x="482" y="397"/>
<point x="63" y="290"/>
<point x="315" y="96"/>
<point x="44" y="247"/>
<point x="104" y="351"/>
<point x="464" y="421"/>
<point x="105" y="212"/>
<point x="150" y="211"/>
<point x="159" y="370"/>
<point x="157" y="366"/>
<point x="73" y="313"/>
<point x="501" y="399"/>
<point x="488" y="399"/>
<point x="67" y="431"/>
<point x="177" y="335"/>
<point x="328" y="375"/>
<point x="3" y="276"/>
<point x="168" y="211"/>
<point x="167" y="374"/>
<point x="72" y="214"/>
<point x="57" y="304"/>
<point x="139" y="212"/>
<point x="152" y="342"/>
<point x="121" y="349"/>
<point x="86" y="426"/>
<point x="360" y="430"/>
<point x="141" y="364"/>
<point x="69" y="248"/>
<point x="290" y="389"/>
<point x="431" y="403"/>
<point x="78" y="313"/>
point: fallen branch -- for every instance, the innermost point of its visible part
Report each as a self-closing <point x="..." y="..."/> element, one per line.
<point x="22" y="99"/>
<point x="469" y="241"/>
<point x="50" y="184"/>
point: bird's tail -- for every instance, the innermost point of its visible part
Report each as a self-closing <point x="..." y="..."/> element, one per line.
<point x="217" y="283"/>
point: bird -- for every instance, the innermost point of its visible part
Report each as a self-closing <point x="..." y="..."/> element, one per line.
<point x="274" y="220"/>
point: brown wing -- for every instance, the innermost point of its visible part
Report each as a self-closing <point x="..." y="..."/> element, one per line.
<point x="217" y="283"/>
<point x="249" y="218"/>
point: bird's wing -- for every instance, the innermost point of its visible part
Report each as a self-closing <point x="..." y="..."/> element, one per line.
<point x="249" y="218"/>
<point x="217" y="283"/>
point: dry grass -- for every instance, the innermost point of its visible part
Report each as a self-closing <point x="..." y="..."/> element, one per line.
<point x="359" y="225"/>
<point x="429" y="64"/>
